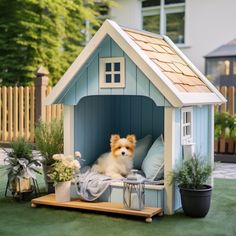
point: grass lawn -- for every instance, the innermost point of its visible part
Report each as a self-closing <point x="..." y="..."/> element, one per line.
<point x="20" y="219"/>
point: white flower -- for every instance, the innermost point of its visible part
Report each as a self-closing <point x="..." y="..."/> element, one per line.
<point x="69" y="158"/>
<point x="57" y="157"/>
<point x="76" y="164"/>
<point x="77" y="154"/>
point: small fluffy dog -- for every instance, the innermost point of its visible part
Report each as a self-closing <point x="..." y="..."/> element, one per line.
<point x="117" y="163"/>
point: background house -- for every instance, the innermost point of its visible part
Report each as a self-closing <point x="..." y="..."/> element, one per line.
<point x="196" y="26"/>
<point x="221" y="65"/>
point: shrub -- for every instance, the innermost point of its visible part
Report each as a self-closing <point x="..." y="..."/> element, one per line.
<point x="192" y="174"/>
<point x="20" y="161"/>
<point x="49" y="139"/>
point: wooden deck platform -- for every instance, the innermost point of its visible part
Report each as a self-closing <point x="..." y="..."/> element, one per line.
<point x="111" y="207"/>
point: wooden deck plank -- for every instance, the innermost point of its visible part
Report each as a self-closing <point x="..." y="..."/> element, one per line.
<point x="110" y="207"/>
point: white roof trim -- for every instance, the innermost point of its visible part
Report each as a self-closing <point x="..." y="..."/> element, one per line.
<point x="198" y="73"/>
<point x="199" y="98"/>
<point x="148" y="67"/>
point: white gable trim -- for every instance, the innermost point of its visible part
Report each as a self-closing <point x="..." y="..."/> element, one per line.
<point x="199" y="98"/>
<point x="221" y="98"/>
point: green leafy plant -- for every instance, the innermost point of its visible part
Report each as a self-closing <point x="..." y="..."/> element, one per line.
<point x="192" y="174"/>
<point x="49" y="139"/>
<point x="20" y="161"/>
<point x="64" y="168"/>
<point x="225" y="125"/>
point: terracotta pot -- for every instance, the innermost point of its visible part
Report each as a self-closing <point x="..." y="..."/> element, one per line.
<point x="62" y="191"/>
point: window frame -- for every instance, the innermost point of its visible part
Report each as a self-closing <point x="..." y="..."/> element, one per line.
<point x="186" y="139"/>
<point x="163" y="10"/>
<point x="103" y="72"/>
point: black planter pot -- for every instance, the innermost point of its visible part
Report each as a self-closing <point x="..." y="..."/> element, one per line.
<point x="196" y="202"/>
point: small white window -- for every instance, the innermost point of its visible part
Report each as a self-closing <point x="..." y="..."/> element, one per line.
<point x="187" y="125"/>
<point x="112" y="72"/>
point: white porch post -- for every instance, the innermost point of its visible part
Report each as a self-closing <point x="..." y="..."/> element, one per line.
<point x="169" y="158"/>
<point x="68" y="130"/>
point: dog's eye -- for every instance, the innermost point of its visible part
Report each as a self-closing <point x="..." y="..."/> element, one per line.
<point x="119" y="147"/>
<point x="127" y="148"/>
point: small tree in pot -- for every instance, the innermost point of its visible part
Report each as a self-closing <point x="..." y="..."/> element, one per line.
<point x="195" y="194"/>
<point x="49" y="141"/>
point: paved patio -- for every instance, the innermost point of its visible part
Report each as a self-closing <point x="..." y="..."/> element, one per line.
<point x="221" y="170"/>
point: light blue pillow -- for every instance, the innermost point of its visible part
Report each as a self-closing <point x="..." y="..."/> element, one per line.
<point x="141" y="149"/>
<point x="153" y="163"/>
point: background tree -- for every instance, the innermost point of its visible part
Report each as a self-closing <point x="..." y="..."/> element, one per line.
<point x="43" y="32"/>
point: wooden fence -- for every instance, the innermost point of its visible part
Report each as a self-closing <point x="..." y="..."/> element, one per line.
<point x="229" y="93"/>
<point x="18" y="114"/>
<point x="226" y="145"/>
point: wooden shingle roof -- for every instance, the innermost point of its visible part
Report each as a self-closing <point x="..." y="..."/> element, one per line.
<point x="167" y="68"/>
<point x="168" y="61"/>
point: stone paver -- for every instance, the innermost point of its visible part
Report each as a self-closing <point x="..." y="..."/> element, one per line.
<point x="225" y="170"/>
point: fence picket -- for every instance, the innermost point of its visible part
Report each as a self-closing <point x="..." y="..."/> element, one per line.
<point x="21" y="112"/>
<point x="32" y="111"/>
<point x="15" y="113"/>
<point x="10" y="114"/>
<point x="26" y="116"/>
<point x="4" y="114"/>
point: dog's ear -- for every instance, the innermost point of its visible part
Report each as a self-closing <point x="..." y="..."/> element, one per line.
<point x="114" y="138"/>
<point x="131" y="138"/>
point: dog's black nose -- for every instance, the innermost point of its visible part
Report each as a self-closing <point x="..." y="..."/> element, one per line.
<point x="123" y="153"/>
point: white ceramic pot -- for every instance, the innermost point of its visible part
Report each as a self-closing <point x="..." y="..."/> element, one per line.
<point x="62" y="191"/>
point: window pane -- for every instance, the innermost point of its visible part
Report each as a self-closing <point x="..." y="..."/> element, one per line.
<point x="173" y="1"/>
<point x="117" y="66"/>
<point x="108" y="66"/>
<point x="188" y="130"/>
<point x="152" y="23"/>
<point x="234" y="68"/>
<point x="184" y="118"/>
<point x="117" y="78"/>
<point x="216" y="68"/>
<point x="175" y="27"/>
<point x="188" y="117"/>
<point x="108" y="78"/>
<point x="151" y="3"/>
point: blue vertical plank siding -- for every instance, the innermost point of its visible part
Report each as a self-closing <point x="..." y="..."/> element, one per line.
<point x="131" y="77"/>
<point x="201" y="130"/>
<point x="93" y="82"/>
<point x="86" y="81"/>
<point x="97" y="117"/>
<point x="201" y="138"/>
<point x="142" y="84"/>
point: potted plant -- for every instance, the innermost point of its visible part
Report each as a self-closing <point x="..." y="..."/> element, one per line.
<point x="21" y="167"/>
<point x="49" y="141"/>
<point x="62" y="172"/>
<point x="195" y="193"/>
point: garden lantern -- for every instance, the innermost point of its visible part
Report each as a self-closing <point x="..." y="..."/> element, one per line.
<point x="133" y="192"/>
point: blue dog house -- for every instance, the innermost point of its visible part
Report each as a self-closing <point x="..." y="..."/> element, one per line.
<point x="128" y="81"/>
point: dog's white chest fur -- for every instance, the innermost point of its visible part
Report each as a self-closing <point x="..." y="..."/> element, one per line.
<point x="116" y="167"/>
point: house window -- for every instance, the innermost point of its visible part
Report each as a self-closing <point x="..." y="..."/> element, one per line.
<point x="187" y="125"/>
<point x="112" y="73"/>
<point x="165" y="17"/>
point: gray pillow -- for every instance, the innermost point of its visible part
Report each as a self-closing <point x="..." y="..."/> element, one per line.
<point x="141" y="149"/>
<point x="153" y="163"/>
